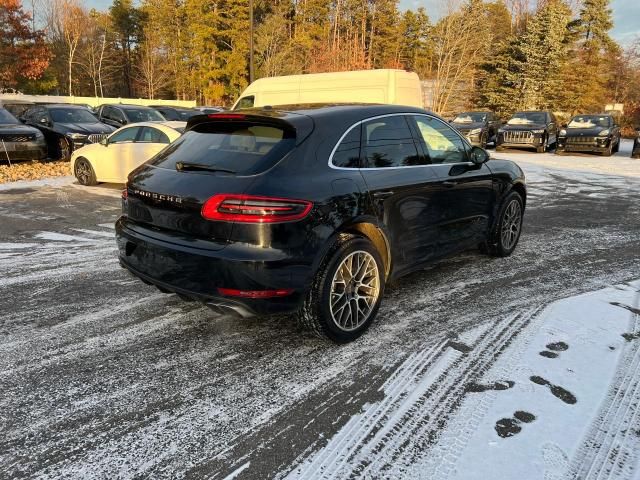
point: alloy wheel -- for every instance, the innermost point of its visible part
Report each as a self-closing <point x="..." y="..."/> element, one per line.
<point x="354" y="290"/>
<point x="64" y="149"/>
<point x="83" y="172"/>
<point x="511" y="224"/>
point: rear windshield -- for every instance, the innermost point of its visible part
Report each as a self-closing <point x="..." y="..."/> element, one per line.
<point x="239" y="147"/>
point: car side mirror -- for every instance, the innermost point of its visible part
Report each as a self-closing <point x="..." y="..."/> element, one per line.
<point x="503" y="122"/>
<point x="479" y="156"/>
<point x="44" y="121"/>
<point x="564" y="125"/>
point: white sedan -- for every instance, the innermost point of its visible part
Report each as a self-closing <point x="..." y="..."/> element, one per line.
<point x="121" y="152"/>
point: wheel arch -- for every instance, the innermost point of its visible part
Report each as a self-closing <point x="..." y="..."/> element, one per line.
<point x="522" y="191"/>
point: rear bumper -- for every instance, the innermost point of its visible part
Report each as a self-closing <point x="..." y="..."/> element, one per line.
<point x="198" y="273"/>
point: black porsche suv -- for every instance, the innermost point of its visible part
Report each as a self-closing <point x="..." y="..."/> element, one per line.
<point x="529" y="129"/>
<point x="590" y="133"/>
<point x="312" y="209"/>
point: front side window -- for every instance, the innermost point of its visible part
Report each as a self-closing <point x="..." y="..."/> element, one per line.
<point x="245" y="102"/>
<point x="347" y="155"/>
<point x="126" y="135"/>
<point x="440" y="142"/>
<point x="388" y="143"/>
<point x="152" y="135"/>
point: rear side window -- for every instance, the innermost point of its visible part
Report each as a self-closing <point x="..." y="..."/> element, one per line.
<point x="153" y="135"/>
<point x="388" y="143"/>
<point x="347" y="155"/>
<point x="240" y="147"/>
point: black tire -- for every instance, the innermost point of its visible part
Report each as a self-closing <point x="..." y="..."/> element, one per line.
<point x="84" y="172"/>
<point x="543" y="148"/>
<point x="609" y="151"/>
<point x="484" y="140"/>
<point x="64" y="149"/>
<point x="316" y="312"/>
<point x="496" y="244"/>
<point x="616" y="149"/>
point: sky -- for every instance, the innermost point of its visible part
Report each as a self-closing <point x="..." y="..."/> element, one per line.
<point x="626" y="15"/>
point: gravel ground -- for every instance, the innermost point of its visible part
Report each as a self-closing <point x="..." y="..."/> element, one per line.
<point x="104" y="377"/>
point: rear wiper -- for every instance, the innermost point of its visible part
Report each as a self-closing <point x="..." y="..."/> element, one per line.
<point x="180" y="166"/>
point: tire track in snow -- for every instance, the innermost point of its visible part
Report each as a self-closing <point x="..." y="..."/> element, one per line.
<point x="419" y="399"/>
<point x="612" y="447"/>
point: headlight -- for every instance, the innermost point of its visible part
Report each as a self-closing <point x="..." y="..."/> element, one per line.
<point x="604" y="133"/>
<point x="77" y="136"/>
<point x="562" y="133"/>
<point x="475" y="131"/>
<point x="538" y="131"/>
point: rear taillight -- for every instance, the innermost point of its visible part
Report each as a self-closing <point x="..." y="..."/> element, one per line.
<point x="232" y="292"/>
<point x="254" y="209"/>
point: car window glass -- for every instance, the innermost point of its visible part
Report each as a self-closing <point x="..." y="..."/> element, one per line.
<point x="7" y="118"/>
<point x="125" y="135"/>
<point x="441" y="143"/>
<point x="153" y="135"/>
<point x="241" y="147"/>
<point x="246" y="102"/>
<point x="347" y="155"/>
<point x="117" y="115"/>
<point x="72" y="115"/>
<point x="388" y="143"/>
<point x="144" y="115"/>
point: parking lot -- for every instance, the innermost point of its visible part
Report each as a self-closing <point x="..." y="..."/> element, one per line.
<point x="105" y="377"/>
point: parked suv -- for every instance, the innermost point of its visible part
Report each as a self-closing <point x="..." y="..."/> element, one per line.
<point x="480" y="128"/>
<point x="635" y="152"/>
<point x="66" y="127"/>
<point x="18" y="141"/>
<point x="531" y="129"/>
<point x="312" y="209"/>
<point x="589" y="133"/>
<point x="120" y="115"/>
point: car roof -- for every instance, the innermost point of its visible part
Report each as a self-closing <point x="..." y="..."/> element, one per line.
<point x="325" y="110"/>
<point x="61" y="105"/>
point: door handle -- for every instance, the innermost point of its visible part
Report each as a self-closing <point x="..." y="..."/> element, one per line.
<point x="383" y="195"/>
<point x="449" y="183"/>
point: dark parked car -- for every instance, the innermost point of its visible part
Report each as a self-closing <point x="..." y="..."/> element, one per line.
<point x="589" y="133"/>
<point x="635" y="152"/>
<point x="532" y="129"/>
<point x="179" y="114"/>
<point x="66" y="127"/>
<point x="480" y="128"/>
<point x="312" y="209"/>
<point x="16" y="107"/>
<point x="119" y="115"/>
<point x="18" y="141"/>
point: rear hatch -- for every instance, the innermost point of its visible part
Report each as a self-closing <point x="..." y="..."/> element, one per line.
<point x="217" y="154"/>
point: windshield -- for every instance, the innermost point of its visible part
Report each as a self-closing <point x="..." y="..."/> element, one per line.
<point x="527" y="118"/>
<point x="7" y="118"/>
<point x="470" y="117"/>
<point x="590" y="121"/>
<point x="72" y="115"/>
<point x="240" y="147"/>
<point x="143" y="115"/>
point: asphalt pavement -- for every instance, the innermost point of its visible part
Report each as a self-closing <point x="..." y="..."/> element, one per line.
<point x="104" y="377"/>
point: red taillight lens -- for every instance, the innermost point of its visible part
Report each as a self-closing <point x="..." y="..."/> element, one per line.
<point x="232" y="292"/>
<point x="254" y="209"/>
<point x="227" y="116"/>
<point x="125" y="194"/>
